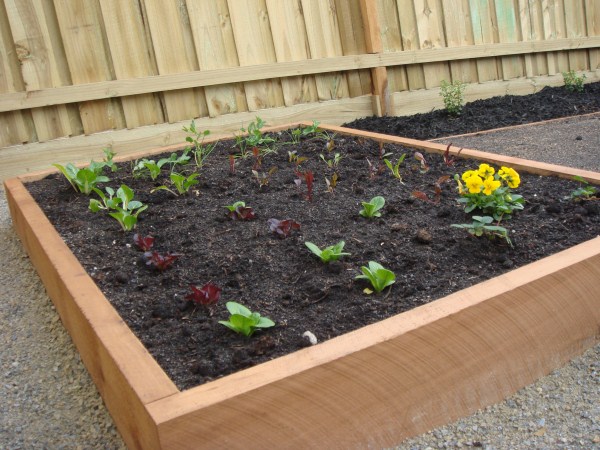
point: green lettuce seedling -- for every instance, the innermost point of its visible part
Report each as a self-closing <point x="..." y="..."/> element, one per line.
<point x="83" y="180"/>
<point x="371" y="209"/>
<point x="331" y="253"/>
<point x="244" y="321"/>
<point x="395" y="168"/>
<point x="379" y="276"/>
<point x="125" y="208"/>
<point x="181" y="182"/>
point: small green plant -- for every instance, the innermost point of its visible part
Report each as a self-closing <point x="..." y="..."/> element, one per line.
<point x="244" y="321"/>
<point x="145" y="167"/>
<point x="107" y="161"/>
<point x="585" y="192"/>
<point x="331" y="253"/>
<point x="481" y="226"/>
<point x="263" y="178"/>
<point x="124" y="208"/>
<point x="150" y="167"/>
<point x="334" y="162"/>
<point x="573" y="82"/>
<point x="304" y="131"/>
<point x="453" y="96"/>
<point x="377" y="275"/>
<point x="200" y="151"/>
<point x="490" y="191"/>
<point x="395" y="168"/>
<point x="254" y="138"/>
<point x="83" y="180"/>
<point x="181" y="183"/>
<point x="372" y="208"/>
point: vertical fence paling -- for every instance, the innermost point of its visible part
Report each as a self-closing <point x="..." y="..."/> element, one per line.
<point x="45" y="45"/>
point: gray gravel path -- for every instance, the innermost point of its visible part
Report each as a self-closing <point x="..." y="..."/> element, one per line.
<point x="47" y="399"/>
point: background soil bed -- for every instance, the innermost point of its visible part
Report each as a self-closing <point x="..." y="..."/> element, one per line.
<point x="280" y="278"/>
<point x="487" y="114"/>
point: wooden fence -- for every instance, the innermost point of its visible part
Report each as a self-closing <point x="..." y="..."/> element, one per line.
<point x="129" y="74"/>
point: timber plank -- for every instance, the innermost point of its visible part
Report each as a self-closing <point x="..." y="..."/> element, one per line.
<point x="129" y="45"/>
<point x="174" y="52"/>
<point x="81" y="28"/>
<point x="43" y="64"/>
<point x="254" y="45"/>
<point x="215" y="48"/>
<point x="291" y="44"/>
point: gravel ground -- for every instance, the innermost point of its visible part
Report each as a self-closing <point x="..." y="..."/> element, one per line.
<point x="49" y="401"/>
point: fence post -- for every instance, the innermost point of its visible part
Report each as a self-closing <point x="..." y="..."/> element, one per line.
<point x="380" y="91"/>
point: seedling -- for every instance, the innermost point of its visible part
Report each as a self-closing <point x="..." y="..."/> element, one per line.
<point x="144" y="243"/>
<point x="481" y="226"/>
<point x="372" y="208"/>
<point x="263" y="178"/>
<point x="395" y="168"/>
<point x="450" y="160"/>
<point x="244" y="321"/>
<point x="83" y="180"/>
<point x="207" y="295"/>
<point x="126" y="209"/>
<point x="181" y="183"/>
<point x="422" y="161"/>
<point x="232" y="164"/>
<point x="282" y="228"/>
<point x="453" y="96"/>
<point x="159" y="261"/>
<point x="309" y="179"/>
<point x="378" y="276"/>
<point x="148" y="166"/>
<point x="437" y="191"/>
<point x="239" y="211"/>
<point x="573" y="82"/>
<point x="334" y="162"/>
<point x="585" y="192"/>
<point x="331" y="253"/>
<point x="254" y="138"/>
<point x="331" y="183"/>
<point x="304" y="131"/>
<point x="109" y="154"/>
<point x="201" y="152"/>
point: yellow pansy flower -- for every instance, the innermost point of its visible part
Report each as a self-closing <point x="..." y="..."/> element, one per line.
<point x="474" y="184"/>
<point x="485" y="171"/>
<point x="468" y="174"/>
<point x="490" y="185"/>
<point x="511" y="177"/>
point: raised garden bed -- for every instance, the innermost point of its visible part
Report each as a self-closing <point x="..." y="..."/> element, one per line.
<point x="375" y="385"/>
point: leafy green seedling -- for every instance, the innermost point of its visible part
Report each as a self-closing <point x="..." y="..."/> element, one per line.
<point x="181" y="182"/>
<point x="453" y="96"/>
<point x="371" y="209"/>
<point x="144" y="166"/>
<point x="126" y="209"/>
<point x="395" y="168"/>
<point x="196" y="138"/>
<point x="244" y="321"/>
<point x="83" y="180"/>
<point x="586" y="191"/>
<point x="254" y="138"/>
<point x="573" y="82"/>
<point x="379" y="277"/>
<point x="481" y="226"/>
<point x="331" y="253"/>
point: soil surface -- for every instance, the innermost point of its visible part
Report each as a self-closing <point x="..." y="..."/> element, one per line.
<point x="496" y="112"/>
<point x="279" y="277"/>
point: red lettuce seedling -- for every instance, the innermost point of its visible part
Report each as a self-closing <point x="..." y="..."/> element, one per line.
<point x="160" y="262"/>
<point x="309" y="179"/>
<point x="207" y="295"/>
<point x="438" y="191"/>
<point x="282" y="228"/>
<point x="450" y="160"/>
<point x="145" y="243"/>
<point x="239" y="211"/>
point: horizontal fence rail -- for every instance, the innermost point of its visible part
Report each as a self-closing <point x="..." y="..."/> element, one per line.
<point x="128" y="74"/>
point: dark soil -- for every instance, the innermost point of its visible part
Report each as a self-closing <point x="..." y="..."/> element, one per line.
<point x="496" y="112"/>
<point x="280" y="278"/>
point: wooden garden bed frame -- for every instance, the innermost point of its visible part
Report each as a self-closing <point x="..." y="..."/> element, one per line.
<point x="371" y="387"/>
